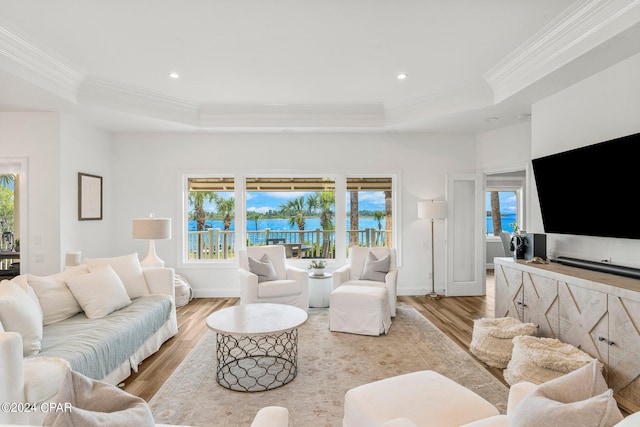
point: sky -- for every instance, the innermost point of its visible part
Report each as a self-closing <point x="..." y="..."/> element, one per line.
<point x="507" y="202"/>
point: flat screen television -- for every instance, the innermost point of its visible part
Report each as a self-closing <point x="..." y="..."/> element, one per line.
<point x="592" y="190"/>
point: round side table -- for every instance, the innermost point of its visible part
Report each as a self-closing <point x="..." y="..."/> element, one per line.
<point x="320" y="287"/>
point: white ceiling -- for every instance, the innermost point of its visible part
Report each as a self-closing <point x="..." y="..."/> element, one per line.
<point x="303" y="65"/>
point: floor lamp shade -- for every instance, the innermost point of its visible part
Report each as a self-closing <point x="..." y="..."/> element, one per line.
<point x="152" y="229"/>
<point x="432" y="209"/>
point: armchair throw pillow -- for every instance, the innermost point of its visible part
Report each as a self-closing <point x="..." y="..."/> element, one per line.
<point x="376" y="269"/>
<point x="263" y="268"/>
<point x="577" y="399"/>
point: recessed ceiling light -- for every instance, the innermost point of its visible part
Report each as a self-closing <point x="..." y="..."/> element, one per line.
<point x="402" y="76"/>
<point x="174" y="75"/>
<point x="491" y="119"/>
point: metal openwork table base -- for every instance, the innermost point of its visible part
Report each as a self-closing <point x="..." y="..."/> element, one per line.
<point x="258" y="362"/>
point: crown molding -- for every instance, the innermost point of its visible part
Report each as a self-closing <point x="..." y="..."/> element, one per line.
<point x="32" y="64"/>
<point x="580" y="28"/>
<point x="470" y="96"/>
<point x="114" y="95"/>
<point x="294" y="116"/>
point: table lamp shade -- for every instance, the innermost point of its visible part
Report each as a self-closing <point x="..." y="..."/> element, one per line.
<point x="152" y="228"/>
<point x="432" y="209"/>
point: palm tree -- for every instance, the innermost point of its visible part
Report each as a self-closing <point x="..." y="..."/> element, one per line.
<point x="255" y="217"/>
<point x="296" y="211"/>
<point x="225" y="208"/>
<point x="495" y="213"/>
<point x="354" y="217"/>
<point x="322" y="203"/>
<point x="197" y="198"/>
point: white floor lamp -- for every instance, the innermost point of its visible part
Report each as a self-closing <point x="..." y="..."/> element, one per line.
<point x="432" y="209"/>
<point x="152" y="229"/>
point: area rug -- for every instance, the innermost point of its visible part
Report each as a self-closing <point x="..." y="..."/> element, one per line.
<point x="329" y="364"/>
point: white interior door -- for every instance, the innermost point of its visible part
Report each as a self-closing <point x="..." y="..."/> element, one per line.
<point x="465" y="235"/>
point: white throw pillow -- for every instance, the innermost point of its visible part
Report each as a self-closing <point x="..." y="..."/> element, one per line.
<point x="99" y="292"/>
<point x="55" y="298"/>
<point x="20" y="312"/>
<point x="128" y="269"/>
<point x="577" y="399"/>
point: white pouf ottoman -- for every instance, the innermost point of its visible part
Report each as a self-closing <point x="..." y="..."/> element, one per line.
<point x="427" y="398"/>
<point x="360" y="310"/>
<point x="492" y="339"/>
<point x="538" y="360"/>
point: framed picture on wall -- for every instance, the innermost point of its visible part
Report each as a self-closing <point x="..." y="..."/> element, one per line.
<point x="89" y="197"/>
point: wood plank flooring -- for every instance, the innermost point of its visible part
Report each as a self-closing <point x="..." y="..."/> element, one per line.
<point x="453" y="315"/>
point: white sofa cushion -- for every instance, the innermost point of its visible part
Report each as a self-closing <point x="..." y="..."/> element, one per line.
<point x="279" y="288"/>
<point x="56" y="300"/>
<point x="20" y="312"/>
<point x="128" y="268"/>
<point x="99" y="292"/>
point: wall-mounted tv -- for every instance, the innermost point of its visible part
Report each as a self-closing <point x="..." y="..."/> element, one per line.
<point x="591" y="190"/>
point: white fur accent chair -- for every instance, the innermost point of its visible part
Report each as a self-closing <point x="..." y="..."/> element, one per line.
<point x="290" y="285"/>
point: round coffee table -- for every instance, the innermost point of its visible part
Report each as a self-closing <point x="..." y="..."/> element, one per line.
<point x="256" y="345"/>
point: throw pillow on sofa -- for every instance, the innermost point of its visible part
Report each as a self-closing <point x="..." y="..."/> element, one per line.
<point x="20" y="312"/>
<point x="56" y="300"/>
<point x="128" y="268"/>
<point x="578" y="399"/>
<point x="99" y="293"/>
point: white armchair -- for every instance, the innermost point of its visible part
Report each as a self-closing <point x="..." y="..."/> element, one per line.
<point x="351" y="274"/>
<point x="290" y="285"/>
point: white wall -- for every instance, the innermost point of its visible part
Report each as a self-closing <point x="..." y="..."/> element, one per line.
<point x="147" y="170"/>
<point x="88" y="150"/>
<point x="35" y="136"/>
<point x="602" y="107"/>
<point x="57" y="147"/>
<point x="505" y="149"/>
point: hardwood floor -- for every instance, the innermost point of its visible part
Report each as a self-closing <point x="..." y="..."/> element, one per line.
<point x="453" y="315"/>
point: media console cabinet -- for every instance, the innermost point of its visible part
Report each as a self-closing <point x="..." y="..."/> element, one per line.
<point x="596" y="312"/>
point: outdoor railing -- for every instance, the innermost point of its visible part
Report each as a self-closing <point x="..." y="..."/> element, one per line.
<point x="215" y="243"/>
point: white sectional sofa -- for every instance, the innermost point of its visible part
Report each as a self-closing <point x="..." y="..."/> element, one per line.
<point x="101" y="319"/>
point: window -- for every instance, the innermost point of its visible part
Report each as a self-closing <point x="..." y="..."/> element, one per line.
<point x="369" y="212"/>
<point x="299" y="212"/>
<point x="502" y="212"/>
<point x="293" y="211"/>
<point x="504" y="198"/>
<point x="211" y="218"/>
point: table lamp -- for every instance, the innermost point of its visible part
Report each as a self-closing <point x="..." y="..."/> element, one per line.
<point x="152" y="229"/>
